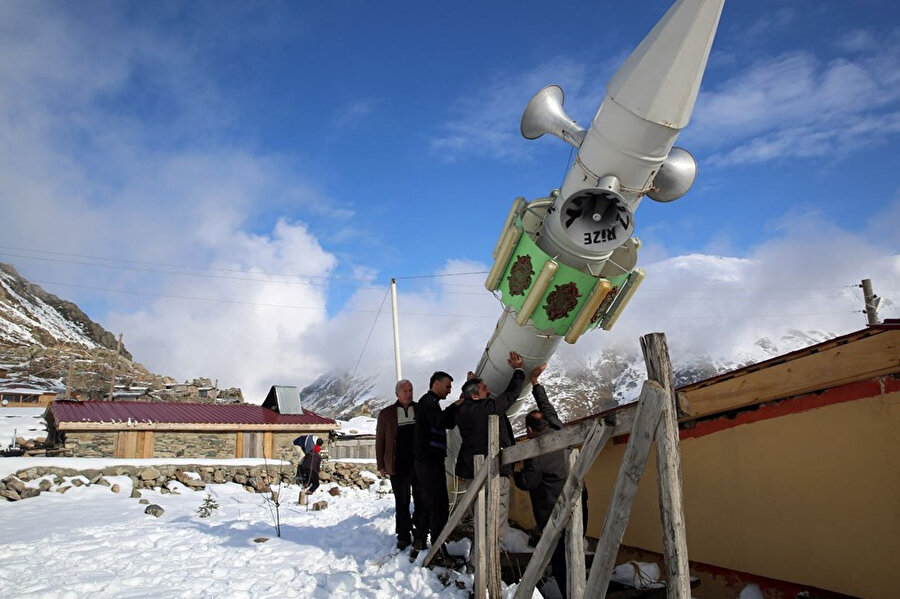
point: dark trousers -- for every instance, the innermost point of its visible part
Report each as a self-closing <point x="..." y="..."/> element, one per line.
<point x="433" y="485"/>
<point x="406" y="485"/>
<point x="558" y="565"/>
<point x="310" y="480"/>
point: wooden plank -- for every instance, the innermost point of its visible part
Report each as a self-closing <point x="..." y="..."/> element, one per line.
<point x="567" y="437"/>
<point x="861" y="359"/>
<point x="459" y="509"/>
<point x="239" y="445"/>
<point x="478" y="546"/>
<point x="634" y="461"/>
<point x="668" y="469"/>
<point x="562" y="511"/>
<point x="268" y="445"/>
<point x="493" y="508"/>
<point x="147" y="445"/>
<point x="575" y="543"/>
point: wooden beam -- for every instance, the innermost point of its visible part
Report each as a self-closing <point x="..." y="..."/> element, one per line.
<point x="575" y="543"/>
<point x="562" y="511"/>
<point x="459" y="509"/>
<point x="621" y="422"/>
<point x="858" y="359"/>
<point x="668" y="470"/>
<point x="493" y="507"/>
<point x="634" y="461"/>
<point x="478" y="546"/>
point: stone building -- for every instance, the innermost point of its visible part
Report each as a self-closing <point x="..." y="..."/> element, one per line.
<point x="133" y="429"/>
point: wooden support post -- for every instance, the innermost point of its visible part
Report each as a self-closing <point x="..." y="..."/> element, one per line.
<point x="493" y="508"/>
<point x="649" y="411"/>
<point x="668" y="467"/>
<point x="575" y="543"/>
<point x="593" y="444"/>
<point x="478" y="545"/>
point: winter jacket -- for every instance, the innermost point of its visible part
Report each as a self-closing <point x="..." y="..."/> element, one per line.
<point x="393" y="444"/>
<point x="431" y="428"/>
<point x="472" y="420"/>
<point x="544" y="476"/>
<point x="310" y="463"/>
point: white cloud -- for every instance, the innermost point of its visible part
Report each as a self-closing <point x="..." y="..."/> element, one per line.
<point x="795" y="105"/>
<point x="486" y="121"/>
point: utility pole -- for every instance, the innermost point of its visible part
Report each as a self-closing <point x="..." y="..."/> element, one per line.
<point x="115" y="367"/>
<point x="69" y="380"/>
<point x="873" y="302"/>
<point x="396" y="328"/>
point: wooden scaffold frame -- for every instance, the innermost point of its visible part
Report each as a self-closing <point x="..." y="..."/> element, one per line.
<point x="653" y="417"/>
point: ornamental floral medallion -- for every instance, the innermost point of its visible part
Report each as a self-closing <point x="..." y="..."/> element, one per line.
<point x="520" y="275"/>
<point x="561" y="301"/>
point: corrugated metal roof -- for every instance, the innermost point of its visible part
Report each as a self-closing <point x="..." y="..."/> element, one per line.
<point x="180" y="413"/>
<point x="288" y="399"/>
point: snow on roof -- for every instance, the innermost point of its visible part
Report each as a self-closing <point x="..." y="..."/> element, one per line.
<point x="181" y="413"/>
<point x="355" y="427"/>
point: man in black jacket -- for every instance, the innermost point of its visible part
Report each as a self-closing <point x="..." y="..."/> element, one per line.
<point x="544" y="476"/>
<point x="472" y="420"/>
<point x="430" y="452"/>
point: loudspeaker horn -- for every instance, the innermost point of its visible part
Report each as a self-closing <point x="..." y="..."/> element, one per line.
<point x="545" y="114"/>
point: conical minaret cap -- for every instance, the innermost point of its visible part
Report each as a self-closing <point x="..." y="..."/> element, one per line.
<point x="659" y="81"/>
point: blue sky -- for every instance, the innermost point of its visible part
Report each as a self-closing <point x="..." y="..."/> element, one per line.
<point x="348" y="142"/>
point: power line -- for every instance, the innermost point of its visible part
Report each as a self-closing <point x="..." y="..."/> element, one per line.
<point x="369" y="336"/>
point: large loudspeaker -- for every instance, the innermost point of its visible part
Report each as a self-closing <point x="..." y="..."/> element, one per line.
<point x="597" y="219"/>
<point x="545" y="114"/>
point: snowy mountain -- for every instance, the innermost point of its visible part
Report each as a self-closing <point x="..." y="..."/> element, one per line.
<point x="31" y="316"/>
<point x="578" y="386"/>
<point x="50" y="343"/>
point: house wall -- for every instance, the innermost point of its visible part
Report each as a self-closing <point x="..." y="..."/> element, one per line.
<point x="193" y="444"/>
<point x="91" y="444"/>
<point x="806" y="490"/>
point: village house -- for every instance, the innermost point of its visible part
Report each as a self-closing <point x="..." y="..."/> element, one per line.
<point x="133" y="429"/>
<point x="790" y="472"/>
<point x="26" y="397"/>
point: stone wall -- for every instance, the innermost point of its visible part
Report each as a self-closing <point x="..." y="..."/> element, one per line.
<point x="31" y="482"/>
<point x="193" y="445"/>
<point x="91" y="444"/>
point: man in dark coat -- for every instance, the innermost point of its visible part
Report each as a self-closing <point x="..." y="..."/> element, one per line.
<point x="430" y="452"/>
<point x="472" y="420"/>
<point x="308" y="471"/>
<point x="544" y="476"/>
<point x="394" y="438"/>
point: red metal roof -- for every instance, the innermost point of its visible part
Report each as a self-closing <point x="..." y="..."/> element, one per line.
<point x="181" y="413"/>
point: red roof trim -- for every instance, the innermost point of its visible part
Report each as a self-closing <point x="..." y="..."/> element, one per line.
<point x="794" y="405"/>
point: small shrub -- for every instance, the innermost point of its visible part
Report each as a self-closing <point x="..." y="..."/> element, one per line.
<point x="206" y="508"/>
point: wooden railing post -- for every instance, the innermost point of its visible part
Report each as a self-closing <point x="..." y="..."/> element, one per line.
<point x="478" y="538"/>
<point x="649" y="411"/>
<point x="668" y="466"/>
<point x="493" y="508"/>
<point x="575" y="543"/>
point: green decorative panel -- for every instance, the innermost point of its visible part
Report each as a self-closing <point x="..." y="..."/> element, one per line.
<point x="567" y="293"/>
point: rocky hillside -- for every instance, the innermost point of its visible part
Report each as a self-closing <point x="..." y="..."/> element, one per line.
<point x="50" y="343"/>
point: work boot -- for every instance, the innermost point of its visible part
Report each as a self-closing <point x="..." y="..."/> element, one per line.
<point x="418" y="545"/>
<point x="403" y="542"/>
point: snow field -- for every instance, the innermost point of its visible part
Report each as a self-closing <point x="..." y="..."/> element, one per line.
<point x="90" y="540"/>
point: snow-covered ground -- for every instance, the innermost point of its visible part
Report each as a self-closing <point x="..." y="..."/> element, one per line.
<point x="27" y="423"/>
<point x="92" y="541"/>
